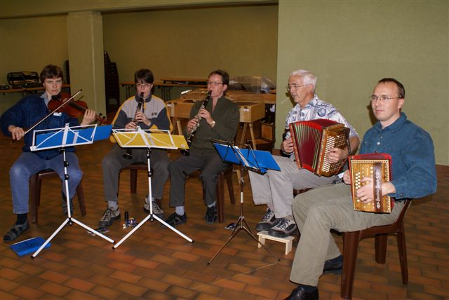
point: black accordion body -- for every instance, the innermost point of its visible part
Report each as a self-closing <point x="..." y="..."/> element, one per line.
<point x="312" y="142"/>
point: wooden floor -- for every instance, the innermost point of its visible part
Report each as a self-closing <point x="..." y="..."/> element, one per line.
<point x="156" y="263"/>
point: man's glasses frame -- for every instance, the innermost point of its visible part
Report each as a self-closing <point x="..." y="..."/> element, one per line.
<point x="384" y="98"/>
<point x="214" y="83"/>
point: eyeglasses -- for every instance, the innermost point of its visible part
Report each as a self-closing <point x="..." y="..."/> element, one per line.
<point x="381" y="97"/>
<point x="214" y="83"/>
<point x="294" y="86"/>
<point x="143" y="85"/>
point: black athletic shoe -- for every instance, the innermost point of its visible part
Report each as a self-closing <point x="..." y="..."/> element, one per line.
<point x="175" y="219"/>
<point x="211" y="215"/>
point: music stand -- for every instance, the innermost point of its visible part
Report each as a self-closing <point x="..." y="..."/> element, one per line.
<point x="258" y="161"/>
<point x="62" y="138"/>
<point x="161" y="139"/>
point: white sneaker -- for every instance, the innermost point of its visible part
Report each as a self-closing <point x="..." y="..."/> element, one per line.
<point x="156" y="209"/>
<point x="267" y="222"/>
<point x="283" y="228"/>
<point x="109" y="217"/>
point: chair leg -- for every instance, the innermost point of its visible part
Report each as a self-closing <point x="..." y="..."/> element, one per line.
<point x="400" y="236"/>
<point x="80" y="195"/>
<point x="33" y="195"/>
<point x="230" y="187"/>
<point x="220" y="198"/>
<point x="350" y="247"/>
<point x="380" y="242"/>
<point x="133" y="181"/>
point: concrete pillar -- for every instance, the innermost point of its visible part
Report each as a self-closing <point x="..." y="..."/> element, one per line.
<point x="86" y="58"/>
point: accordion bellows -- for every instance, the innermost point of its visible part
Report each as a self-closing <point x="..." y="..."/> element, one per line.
<point x="378" y="167"/>
<point x="312" y="142"/>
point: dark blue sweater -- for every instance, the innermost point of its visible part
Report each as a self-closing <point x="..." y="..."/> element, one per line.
<point x="28" y="112"/>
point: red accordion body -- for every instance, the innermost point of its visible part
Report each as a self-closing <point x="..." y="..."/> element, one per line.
<point x="312" y="142"/>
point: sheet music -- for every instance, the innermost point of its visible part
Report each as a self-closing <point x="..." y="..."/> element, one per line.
<point x="259" y="161"/>
<point x="68" y="136"/>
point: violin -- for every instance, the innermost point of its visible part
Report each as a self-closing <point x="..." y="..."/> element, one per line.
<point x="74" y="109"/>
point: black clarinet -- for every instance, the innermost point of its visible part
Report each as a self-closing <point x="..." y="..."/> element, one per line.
<point x="190" y="135"/>
<point x="129" y="151"/>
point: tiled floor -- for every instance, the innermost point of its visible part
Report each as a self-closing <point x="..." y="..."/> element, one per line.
<point x="156" y="263"/>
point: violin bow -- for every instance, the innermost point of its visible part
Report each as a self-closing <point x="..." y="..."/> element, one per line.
<point x="45" y="118"/>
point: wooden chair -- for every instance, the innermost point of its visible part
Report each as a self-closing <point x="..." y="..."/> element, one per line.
<point x="224" y="175"/>
<point x="133" y="175"/>
<point x="35" y="184"/>
<point x="380" y="234"/>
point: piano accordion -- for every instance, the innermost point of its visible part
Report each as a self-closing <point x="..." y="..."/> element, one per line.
<point x="378" y="167"/>
<point x="312" y="142"/>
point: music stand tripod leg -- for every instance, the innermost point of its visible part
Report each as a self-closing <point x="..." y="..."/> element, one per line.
<point x="151" y="216"/>
<point x="240" y="226"/>
<point x="69" y="219"/>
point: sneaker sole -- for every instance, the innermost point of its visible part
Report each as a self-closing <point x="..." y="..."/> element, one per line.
<point x="281" y="235"/>
<point x="106" y="224"/>
<point x="177" y="223"/>
<point x="264" y="227"/>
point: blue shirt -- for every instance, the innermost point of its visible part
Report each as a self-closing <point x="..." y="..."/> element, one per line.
<point x="412" y="152"/>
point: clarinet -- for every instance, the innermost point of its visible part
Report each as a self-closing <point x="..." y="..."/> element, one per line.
<point x="129" y="151"/>
<point x="198" y="118"/>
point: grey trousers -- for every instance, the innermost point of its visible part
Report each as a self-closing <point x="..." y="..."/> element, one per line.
<point x="114" y="161"/>
<point x="210" y="166"/>
<point x="276" y="187"/>
<point x="316" y="213"/>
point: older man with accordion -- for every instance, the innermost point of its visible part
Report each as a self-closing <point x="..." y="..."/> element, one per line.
<point x="308" y="124"/>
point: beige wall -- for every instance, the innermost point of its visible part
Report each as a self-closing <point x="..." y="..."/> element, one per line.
<point x="352" y="44"/>
<point x="187" y="42"/>
<point x="349" y="44"/>
<point x="28" y="44"/>
<point x="192" y="42"/>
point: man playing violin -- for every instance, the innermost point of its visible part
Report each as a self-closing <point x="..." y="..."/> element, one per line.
<point x="24" y="114"/>
<point x="147" y="112"/>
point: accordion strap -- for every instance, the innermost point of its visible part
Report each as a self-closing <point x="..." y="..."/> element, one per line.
<point x="377" y="186"/>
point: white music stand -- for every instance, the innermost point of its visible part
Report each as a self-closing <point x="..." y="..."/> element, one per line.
<point x="62" y="138"/>
<point x="158" y="139"/>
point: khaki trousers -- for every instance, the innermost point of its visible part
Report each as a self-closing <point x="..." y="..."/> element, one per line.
<point x="316" y="213"/>
<point x="276" y="187"/>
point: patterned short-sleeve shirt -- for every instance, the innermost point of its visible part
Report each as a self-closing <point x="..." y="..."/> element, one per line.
<point x="316" y="109"/>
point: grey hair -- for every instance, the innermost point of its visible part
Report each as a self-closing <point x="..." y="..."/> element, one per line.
<point x="308" y="77"/>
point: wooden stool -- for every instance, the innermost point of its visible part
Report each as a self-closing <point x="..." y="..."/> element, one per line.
<point x="35" y="193"/>
<point x="288" y="241"/>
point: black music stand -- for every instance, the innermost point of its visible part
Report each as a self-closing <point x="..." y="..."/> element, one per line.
<point x="62" y="138"/>
<point x="159" y="139"/>
<point x="258" y="161"/>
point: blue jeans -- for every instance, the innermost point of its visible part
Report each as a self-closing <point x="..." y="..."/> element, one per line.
<point x="29" y="164"/>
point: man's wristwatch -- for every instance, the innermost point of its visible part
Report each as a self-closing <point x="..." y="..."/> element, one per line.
<point x="213" y="124"/>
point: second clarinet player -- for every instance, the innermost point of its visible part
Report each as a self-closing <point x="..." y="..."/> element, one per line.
<point x="146" y="111"/>
<point x="219" y="119"/>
